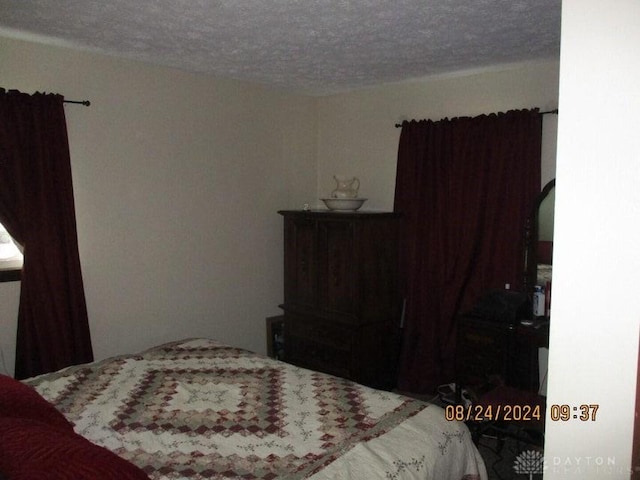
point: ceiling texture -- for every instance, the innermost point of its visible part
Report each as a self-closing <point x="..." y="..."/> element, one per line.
<point x="315" y="47"/>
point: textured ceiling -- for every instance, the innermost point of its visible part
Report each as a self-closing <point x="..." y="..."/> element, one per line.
<point x="308" y="46"/>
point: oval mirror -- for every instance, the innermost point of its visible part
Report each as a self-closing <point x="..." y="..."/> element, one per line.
<point x="539" y="242"/>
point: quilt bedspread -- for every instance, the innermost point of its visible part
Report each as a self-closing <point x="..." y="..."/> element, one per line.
<point x="199" y="409"/>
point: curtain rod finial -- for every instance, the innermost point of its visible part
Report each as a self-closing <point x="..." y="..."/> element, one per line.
<point x="86" y="103"/>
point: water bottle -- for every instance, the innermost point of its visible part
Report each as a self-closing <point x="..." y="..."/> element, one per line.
<point x="538" y="301"/>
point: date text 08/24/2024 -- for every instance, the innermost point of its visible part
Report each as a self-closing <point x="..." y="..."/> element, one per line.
<point x="520" y="413"/>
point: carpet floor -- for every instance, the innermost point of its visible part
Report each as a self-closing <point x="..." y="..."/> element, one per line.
<point x="514" y="460"/>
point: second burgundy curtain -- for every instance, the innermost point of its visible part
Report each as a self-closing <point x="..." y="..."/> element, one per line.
<point x="464" y="187"/>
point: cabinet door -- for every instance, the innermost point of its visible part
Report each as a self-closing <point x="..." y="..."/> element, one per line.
<point x="300" y="262"/>
<point x="336" y="266"/>
<point x="377" y="282"/>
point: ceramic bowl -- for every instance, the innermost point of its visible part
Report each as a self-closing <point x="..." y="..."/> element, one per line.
<point x="343" y="204"/>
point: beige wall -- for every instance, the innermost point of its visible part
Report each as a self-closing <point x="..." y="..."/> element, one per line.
<point x="177" y="181"/>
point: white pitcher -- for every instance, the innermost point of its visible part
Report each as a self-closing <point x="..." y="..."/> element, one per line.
<point x="347" y="187"/>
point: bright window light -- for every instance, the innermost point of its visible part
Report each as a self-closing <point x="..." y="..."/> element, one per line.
<point x="10" y="255"/>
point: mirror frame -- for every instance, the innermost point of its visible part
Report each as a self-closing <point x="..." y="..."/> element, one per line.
<point x="530" y="275"/>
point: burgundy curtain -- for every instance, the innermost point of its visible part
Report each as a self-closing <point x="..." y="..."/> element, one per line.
<point x="37" y="209"/>
<point x="464" y="187"/>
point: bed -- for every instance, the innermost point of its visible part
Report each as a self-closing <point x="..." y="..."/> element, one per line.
<point x="199" y="409"/>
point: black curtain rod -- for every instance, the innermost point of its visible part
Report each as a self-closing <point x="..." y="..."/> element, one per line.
<point x="86" y="103"/>
<point x="548" y="112"/>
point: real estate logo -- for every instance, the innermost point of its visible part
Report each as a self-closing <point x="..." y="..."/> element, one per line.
<point x="529" y="462"/>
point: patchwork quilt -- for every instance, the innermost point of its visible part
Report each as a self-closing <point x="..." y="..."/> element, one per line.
<point x="198" y="409"/>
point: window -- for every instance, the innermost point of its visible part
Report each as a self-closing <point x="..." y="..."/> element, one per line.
<point x="10" y="257"/>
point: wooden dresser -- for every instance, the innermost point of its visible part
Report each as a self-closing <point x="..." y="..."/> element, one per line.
<point x="341" y="302"/>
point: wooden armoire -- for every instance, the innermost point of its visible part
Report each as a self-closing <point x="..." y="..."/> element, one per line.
<point x="342" y="305"/>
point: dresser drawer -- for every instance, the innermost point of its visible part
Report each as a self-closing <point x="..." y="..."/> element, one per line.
<point x="318" y="356"/>
<point x="326" y="333"/>
<point x="320" y="345"/>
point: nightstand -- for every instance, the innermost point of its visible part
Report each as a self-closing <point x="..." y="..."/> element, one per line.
<point x="492" y="352"/>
